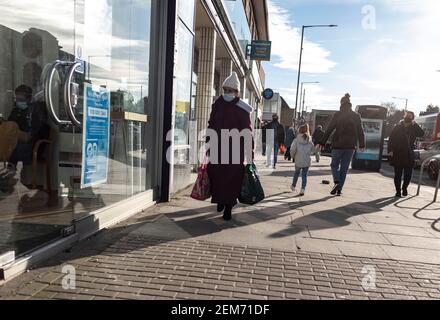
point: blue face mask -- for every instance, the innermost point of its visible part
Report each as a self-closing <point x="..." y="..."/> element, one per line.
<point x="229" y="97"/>
<point x="22" y="105"/>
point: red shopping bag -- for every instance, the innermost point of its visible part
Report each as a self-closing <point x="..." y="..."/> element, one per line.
<point x="202" y="188"/>
<point x="282" y="149"/>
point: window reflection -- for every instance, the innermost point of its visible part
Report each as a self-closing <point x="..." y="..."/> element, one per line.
<point x="237" y="17"/>
<point x="183" y="84"/>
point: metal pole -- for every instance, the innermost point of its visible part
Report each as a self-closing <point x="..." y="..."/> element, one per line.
<point x="300" y="98"/>
<point x="438" y="185"/>
<point x="304" y="102"/>
<point x="299" y="72"/>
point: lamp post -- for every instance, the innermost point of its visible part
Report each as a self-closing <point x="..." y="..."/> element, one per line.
<point x="406" y="99"/>
<point x="302" y="98"/>
<point x="300" y="58"/>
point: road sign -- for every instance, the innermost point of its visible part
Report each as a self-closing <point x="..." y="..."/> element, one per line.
<point x="268" y="94"/>
<point x="260" y="50"/>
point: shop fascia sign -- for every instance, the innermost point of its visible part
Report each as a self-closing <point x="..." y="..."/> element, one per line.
<point x="259" y="50"/>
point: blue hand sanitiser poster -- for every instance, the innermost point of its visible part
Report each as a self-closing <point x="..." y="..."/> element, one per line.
<point x="96" y="132"/>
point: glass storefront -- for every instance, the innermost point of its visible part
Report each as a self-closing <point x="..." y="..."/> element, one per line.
<point x="51" y="135"/>
<point x="183" y="128"/>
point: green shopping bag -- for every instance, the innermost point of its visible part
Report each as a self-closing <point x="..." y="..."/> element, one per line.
<point x="251" y="190"/>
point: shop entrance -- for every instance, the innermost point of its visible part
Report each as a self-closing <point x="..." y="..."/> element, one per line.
<point x="74" y="92"/>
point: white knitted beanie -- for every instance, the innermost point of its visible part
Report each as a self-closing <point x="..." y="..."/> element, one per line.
<point x="232" y="82"/>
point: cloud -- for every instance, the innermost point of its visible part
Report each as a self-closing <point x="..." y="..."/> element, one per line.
<point x="404" y="63"/>
<point x="286" y="41"/>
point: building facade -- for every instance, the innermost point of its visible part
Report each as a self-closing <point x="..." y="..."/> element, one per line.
<point x="122" y="90"/>
<point x="287" y="114"/>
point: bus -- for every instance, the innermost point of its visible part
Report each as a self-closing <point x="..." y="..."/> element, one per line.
<point x="431" y="125"/>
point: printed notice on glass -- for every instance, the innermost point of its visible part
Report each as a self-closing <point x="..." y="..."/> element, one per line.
<point x="96" y="132"/>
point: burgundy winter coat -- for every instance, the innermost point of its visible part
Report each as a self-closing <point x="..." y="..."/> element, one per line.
<point x="226" y="177"/>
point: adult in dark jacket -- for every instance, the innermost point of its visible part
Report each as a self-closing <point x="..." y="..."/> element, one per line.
<point x="290" y="136"/>
<point x="346" y="127"/>
<point x="275" y="138"/>
<point x="401" y="146"/>
<point x="229" y="112"/>
<point x="318" y="135"/>
<point x="263" y="136"/>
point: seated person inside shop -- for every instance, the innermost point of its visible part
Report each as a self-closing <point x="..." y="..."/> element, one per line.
<point x="31" y="119"/>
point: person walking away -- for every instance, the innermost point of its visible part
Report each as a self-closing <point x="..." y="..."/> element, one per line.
<point x="401" y="145"/>
<point x="263" y="137"/>
<point x="318" y="134"/>
<point x="273" y="145"/>
<point x="290" y="137"/>
<point x="346" y="127"/>
<point x="229" y="112"/>
<point x="301" y="149"/>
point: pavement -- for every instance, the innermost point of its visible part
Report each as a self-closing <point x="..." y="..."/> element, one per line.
<point x="363" y="245"/>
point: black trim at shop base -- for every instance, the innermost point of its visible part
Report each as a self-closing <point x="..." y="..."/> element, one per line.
<point x="168" y="99"/>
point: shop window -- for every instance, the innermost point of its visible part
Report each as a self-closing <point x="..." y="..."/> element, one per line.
<point x="183" y="83"/>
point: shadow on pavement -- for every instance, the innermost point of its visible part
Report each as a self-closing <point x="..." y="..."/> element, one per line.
<point x="334" y="218"/>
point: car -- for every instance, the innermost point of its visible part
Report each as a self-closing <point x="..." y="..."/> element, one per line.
<point x="433" y="168"/>
<point x="431" y="150"/>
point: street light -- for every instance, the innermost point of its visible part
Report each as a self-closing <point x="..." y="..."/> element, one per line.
<point x="303" y="95"/>
<point x="406" y="105"/>
<point x="300" y="57"/>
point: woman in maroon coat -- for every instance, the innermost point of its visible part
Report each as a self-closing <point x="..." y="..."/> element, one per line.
<point x="225" y="173"/>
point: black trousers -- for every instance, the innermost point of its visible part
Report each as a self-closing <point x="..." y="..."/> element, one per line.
<point x="407" y="175"/>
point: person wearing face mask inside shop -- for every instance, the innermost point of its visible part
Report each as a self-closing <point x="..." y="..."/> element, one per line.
<point x="229" y="113"/>
<point x="31" y="119"/>
<point x="401" y="146"/>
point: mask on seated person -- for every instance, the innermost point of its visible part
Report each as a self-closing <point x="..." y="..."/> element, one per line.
<point x="22" y="105"/>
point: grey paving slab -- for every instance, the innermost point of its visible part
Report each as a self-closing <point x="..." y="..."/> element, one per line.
<point x="316" y="245"/>
<point x="350" y="235"/>
<point x="413" y="254"/>
<point x="395" y="229"/>
<point x="163" y="228"/>
<point x="397" y="220"/>
<point x="414" y="242"/>
<point x="360" y="249"/>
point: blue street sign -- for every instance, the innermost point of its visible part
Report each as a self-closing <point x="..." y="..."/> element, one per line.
<point x="268" y="94"/>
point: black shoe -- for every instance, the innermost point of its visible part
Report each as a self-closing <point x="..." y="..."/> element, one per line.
<point x="339" y="192"/>
<point x="227" y="215"/>
<point x="398" y="194"/>
<point x="405" y="192"/>
<point x="220" y="207"/>
<point x="335" y="189"/>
